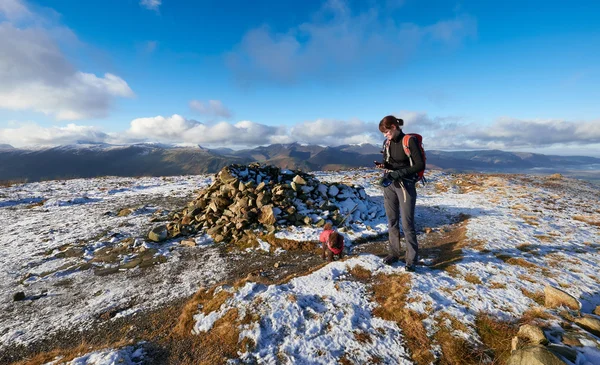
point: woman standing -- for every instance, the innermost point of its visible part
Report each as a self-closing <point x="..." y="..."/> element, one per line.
<point x="399" y="192"/>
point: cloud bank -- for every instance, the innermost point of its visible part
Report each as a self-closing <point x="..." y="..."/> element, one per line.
<point x="36" y="75"/>
<point x="338" y="41"/>
<point x="449" y="133"/>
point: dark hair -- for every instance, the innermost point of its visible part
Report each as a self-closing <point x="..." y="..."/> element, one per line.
<point x="327" y="226"/>
<point x="389" y="121"/>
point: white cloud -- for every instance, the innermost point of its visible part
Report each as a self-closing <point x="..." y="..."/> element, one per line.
<point x="14" y="10"/>
<point x="331" y="132"/>
<point x="338" y="42"/>
<point x="448" y="133"/>
<point x="151" y="4"/>
<point x="34" y="135"/>
<point x="179" y="129"/>
<point x="36" y="75"/>
<point x="211" y="108"/>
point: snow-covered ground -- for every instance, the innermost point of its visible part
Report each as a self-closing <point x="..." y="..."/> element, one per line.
<point x="553" y="223"/>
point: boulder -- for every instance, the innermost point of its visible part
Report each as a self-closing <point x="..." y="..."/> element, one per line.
<point x="534" y="355"/>
<point x="188" y="243"/>
<point x="563" y="351"/>
<point x="555" y="297"/>
<point x="158" y="234"/>
<point x="299" y="180"/>
<point x="19" y="296"/>
<point x="533" y="334"/>
<point x="597" y="310"/>
<point x="589" y="323"/>
<point x="124" y="212"/>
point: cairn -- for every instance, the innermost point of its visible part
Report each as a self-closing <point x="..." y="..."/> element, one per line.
<point x="246" y="198"/>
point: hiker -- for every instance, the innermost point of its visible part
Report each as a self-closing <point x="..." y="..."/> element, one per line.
<point x="332" y="243"/>
<point x="399" y="189"/>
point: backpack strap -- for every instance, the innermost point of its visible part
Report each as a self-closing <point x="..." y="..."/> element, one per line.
<point x="406" y="148"/>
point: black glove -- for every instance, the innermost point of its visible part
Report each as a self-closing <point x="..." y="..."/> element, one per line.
<point x="397" y="174"/>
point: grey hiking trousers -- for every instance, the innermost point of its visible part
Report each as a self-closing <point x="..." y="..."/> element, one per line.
<point x="399" y="203"/>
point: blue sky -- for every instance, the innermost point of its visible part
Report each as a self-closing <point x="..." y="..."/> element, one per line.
<point x="512" y="75"/>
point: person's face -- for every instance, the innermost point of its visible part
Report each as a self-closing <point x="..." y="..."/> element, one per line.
<point x="391" y="133"/>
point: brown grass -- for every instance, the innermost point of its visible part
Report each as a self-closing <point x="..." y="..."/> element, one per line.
<point x="587" y="219"/>
<point x="390" y="292"/>
<point x="524" y="277"/>
<point x="496" y="285"/>
<point x="537" y="297"/>
<point x="456" y="350"/>
<point x="363" y="337"/>
<point x="360" y="273"/>
<point x="526" y="247"/>
<point x="453" y="271"/>
<point x="496" y="335"/>
<point x="473" y="279"/>
<point x="517" y="261"/>
<point x="535" y="314"/>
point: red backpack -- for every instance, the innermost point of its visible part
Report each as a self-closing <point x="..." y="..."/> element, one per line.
<point x="419" y="138"/>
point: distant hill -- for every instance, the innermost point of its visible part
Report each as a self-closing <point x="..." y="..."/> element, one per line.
<point x="150" y="159"/>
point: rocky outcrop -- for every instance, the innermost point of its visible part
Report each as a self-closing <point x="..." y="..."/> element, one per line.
<point x="246" y="198"/>
<point x="534" y="355"/>
<point x="533" y="334"/>
<point x="589" y="323"/>
<point x="555" y="297"/>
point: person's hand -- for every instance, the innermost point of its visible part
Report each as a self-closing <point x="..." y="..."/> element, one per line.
<point x="379" y="165"/>
<point x="397" y="174"/>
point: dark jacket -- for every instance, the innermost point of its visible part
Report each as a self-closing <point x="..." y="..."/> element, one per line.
<point x="397" y="160"/>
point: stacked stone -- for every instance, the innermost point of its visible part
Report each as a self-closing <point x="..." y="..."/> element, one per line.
<point x="245" y="198"/>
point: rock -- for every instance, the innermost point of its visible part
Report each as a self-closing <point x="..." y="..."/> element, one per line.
<point x="589" y="323"/>
<point x="555" y="297"/>
<point x="158" y="234"/>
<point x="225" y="176"/>
<point x="267" y="215"/>
<point x="571" y="339"/>
<point x="517" y="343"/>
<point x="277" y="264"/>
<point x="597" y="310"/>
<point x="299" y="180"/>
<point x="188" y="243"/>
<point x="131" y="263"/>
<point x="333" y="191"/>
<point x="19" y="296"/>
<point x="428" y="230"/>
<point x="563" y="351"/>
<point x="124" y="212"/>
<point x="533" y="334"/>
<point x="534" y="355"/>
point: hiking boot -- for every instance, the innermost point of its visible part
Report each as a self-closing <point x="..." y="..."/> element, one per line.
<point x="409" y="268"/>
<point x="390" y="259"/>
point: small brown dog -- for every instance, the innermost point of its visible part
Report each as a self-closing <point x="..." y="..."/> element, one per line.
<point x="332" y="243"/>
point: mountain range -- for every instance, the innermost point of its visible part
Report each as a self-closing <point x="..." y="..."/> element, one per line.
<point x="151" y="159"/>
